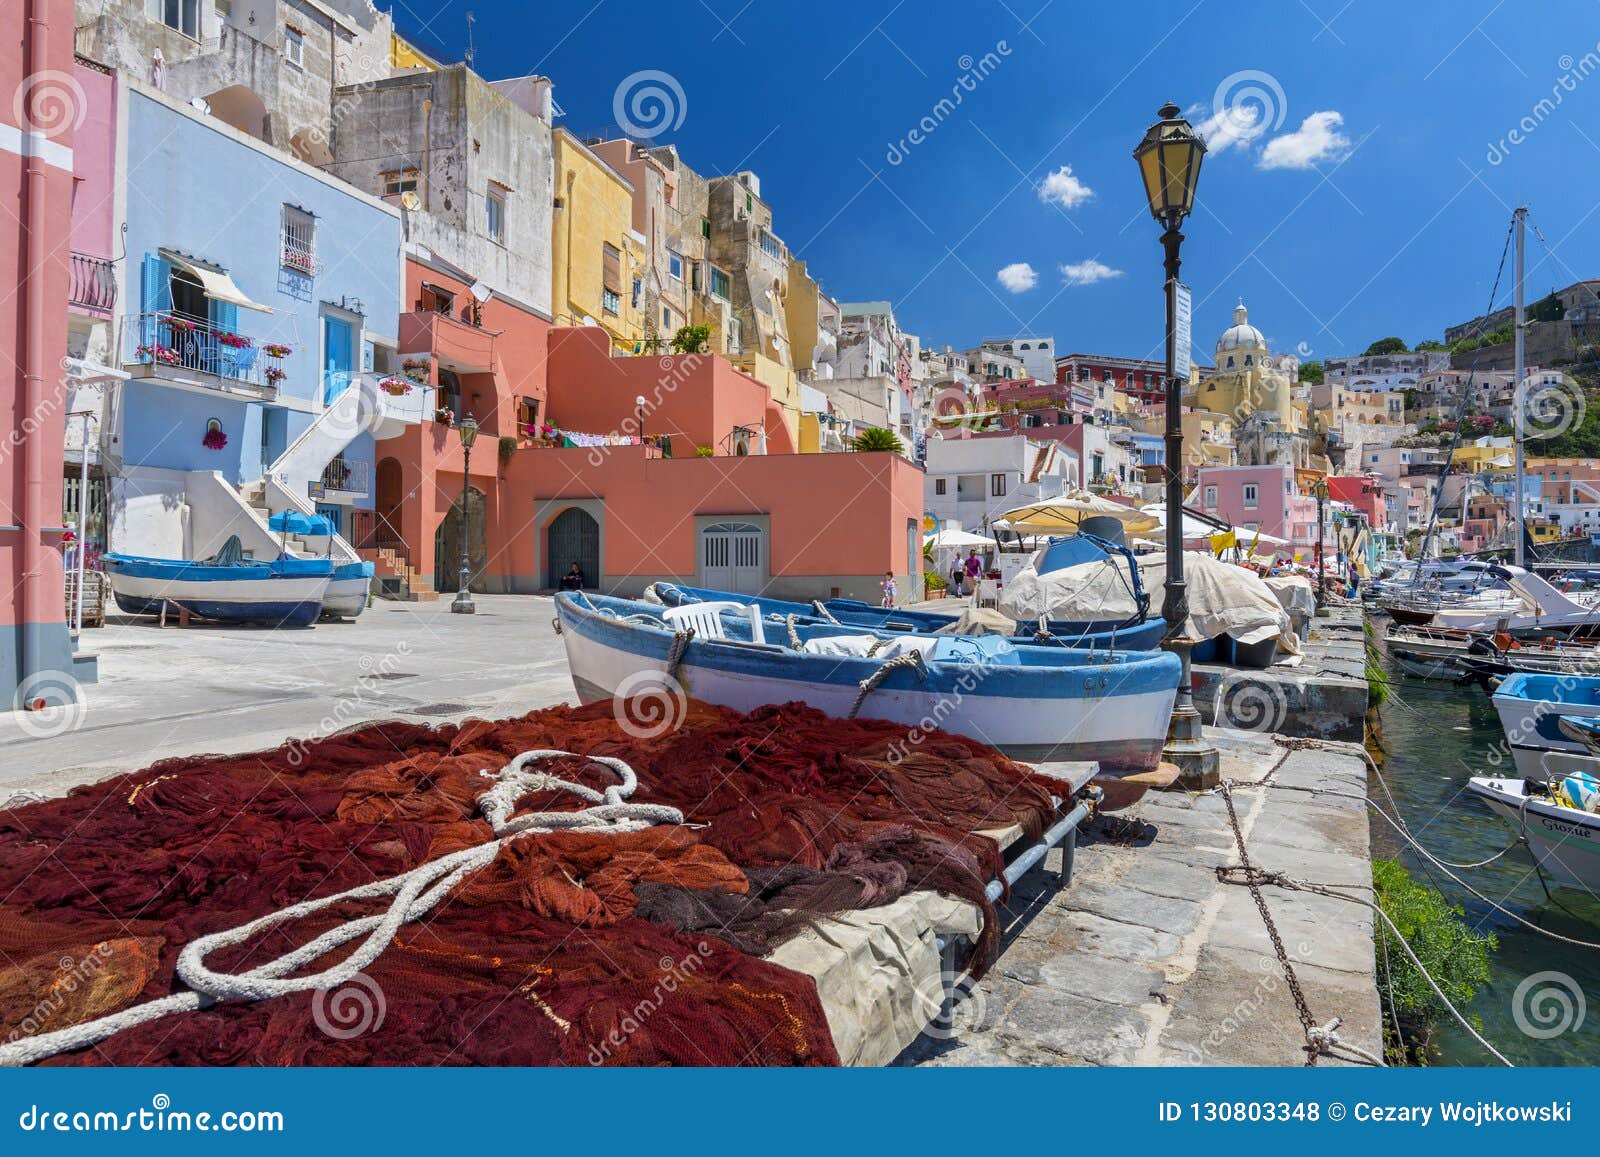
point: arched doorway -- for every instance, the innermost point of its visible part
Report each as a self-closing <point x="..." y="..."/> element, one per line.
<point x="573" y="537"/>
<point x="390" y="494"/>
<point x="447" y="546"/>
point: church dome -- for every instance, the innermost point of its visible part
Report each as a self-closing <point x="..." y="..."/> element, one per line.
<point x="1241" y="335"/>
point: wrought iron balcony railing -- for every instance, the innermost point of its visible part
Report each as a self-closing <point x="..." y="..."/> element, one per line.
<point x="92" y="283"/>
<point x="172" y="341"/>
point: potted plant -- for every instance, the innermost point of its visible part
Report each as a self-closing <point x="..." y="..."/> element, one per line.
<point x="275" y="374"/>
<point x="508" y="447"/>
<point x="417" y="369"/>
<point x="214" y="438"/>
<point x="444" y="415"/>
<point x="275" y="350"/>
<point x="934" y="585"/>
<point x="395" y="387"/>
<point x="178" y="324"/>
<point x="235" y="341"/>
<point x="705" y="451"/>
<point x="166" y="355"/>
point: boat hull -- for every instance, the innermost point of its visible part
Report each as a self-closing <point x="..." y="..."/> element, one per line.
<point x="347" y="593"/>
<point x="1423" y="666"/>
<point x="287" y="600"/>
<point x="1565" y="842"/>
<point x="1115" y="711"/>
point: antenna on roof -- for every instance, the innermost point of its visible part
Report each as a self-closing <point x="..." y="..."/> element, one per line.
<point x="471" y="51"/>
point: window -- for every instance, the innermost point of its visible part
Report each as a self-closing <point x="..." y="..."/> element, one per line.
<point x="611" y="279"/>
<point x="705" y="227"/>
<point x="294" y="46"/>
<point x="939" y="486"/>
<point x="399" y="181"/>
<point x="719" y="284"/>
<point x="299" y="241"/>
<point x="179" y="15"/>
<point x="495" y="213"/>
<point x="528" y="412"/>
<point x="997" y="485"/>
<point x="675" y="265"/>
<point x="770" y="245"/>
<point x="436" y="300"/>
<point x="638" y="292"/>
<point x="735" y="336"/>
<point x="1211" y="497"/>
<point x="1252" y="495"/>
<point x="1083" y="373"/>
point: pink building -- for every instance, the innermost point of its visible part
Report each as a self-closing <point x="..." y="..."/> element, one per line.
<point x="1364" y="492"/>
<point x="36" y="142"/>
<point x="1251" y="497"/>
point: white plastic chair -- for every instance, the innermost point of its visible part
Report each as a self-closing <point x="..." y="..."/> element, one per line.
<point x="988" y="593"/>
<point x="706" y="619"/>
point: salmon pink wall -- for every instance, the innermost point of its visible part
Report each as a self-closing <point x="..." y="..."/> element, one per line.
<point x="696" y="398"/>
<point x="94" y="163"/>
<point x="831" y="515"/>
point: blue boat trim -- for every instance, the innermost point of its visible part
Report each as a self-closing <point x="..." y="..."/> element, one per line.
<point x="1014" y="677"/>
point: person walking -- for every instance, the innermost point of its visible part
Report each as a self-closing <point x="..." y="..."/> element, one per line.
<point x="973" y="567"/>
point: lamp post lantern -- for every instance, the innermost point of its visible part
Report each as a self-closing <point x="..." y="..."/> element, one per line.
<point x="463" y="604"/>
<point x="638" y="410"/>
<point x="1169" y="163"/>
<point x="1321" y="491"/>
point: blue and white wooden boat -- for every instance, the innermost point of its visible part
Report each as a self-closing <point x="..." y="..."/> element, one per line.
<point x="1564" y="840"/>
<point x="283" y="592"/>
<point x="1140" y="636"/>
<point x="1034" y="703"/>
<point x="1531" y="709"/>
<point x="347" y="592"/>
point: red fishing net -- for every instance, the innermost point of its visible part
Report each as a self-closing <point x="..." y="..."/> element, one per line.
<point x="569" y="948"/>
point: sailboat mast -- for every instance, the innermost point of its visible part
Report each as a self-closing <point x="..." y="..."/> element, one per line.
<point x="1519" y="387"/>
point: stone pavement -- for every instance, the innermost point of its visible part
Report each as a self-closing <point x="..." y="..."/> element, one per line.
<point x="1147" y="959"/>
<point x="184" y="691"/>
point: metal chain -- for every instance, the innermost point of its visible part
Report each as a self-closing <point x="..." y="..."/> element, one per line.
<point x="1253" y="878"/>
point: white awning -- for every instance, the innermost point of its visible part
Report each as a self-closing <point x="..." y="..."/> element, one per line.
<point x="217" y="284"/>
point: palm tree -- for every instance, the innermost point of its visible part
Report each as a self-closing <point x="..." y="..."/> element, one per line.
<point x="877" y="438"/>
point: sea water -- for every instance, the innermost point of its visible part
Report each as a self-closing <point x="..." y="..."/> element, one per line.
<point x="1542" y="1006"/>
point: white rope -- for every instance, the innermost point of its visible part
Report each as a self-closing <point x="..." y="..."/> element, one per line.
<point x="414" y="893"/>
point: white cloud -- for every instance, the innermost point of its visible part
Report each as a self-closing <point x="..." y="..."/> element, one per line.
<point x="1238" y="124"/>
<point x="1088" y="272"/>
<point x="1018" y="277"/>
<point x="1062" y="188"/>
<point x="1317" y="139"/>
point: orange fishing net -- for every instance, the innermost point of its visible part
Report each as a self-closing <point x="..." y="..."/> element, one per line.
<point x="569" y="948"/>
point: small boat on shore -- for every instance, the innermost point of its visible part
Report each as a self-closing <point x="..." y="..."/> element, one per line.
<point x="1564" y="840"/>
<point x="1145" y="635"/>
<point x="348" y="589"/>
<point x="283" y="592"/>
<point x="1033" y="703"/>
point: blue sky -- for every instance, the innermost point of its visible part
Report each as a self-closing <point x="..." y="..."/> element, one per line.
<point x="1360" y="184"/>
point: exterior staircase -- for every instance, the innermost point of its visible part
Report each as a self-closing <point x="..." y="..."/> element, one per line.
<point x="395" y="579"/>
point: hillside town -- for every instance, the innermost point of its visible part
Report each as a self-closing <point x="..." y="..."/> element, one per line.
<point x="416" y="504"/>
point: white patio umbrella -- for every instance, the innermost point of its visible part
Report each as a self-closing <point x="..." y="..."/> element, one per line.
<point x="1063" y="515"/>
<point x="955" y="539"/>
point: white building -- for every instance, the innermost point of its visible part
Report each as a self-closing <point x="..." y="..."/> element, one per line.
<point x="1037" y="354"/>
<point x="973" y="480"/>
<point x="1384" y="371"/>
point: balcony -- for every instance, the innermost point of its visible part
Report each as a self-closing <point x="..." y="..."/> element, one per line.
<point x="459" y="346"/>
<point x="343" y="480"/>
<point x="195" y="355"/>
<point x="92" y="284"/>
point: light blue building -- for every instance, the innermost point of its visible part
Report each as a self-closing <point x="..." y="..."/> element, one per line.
<point x="258" y="288"/>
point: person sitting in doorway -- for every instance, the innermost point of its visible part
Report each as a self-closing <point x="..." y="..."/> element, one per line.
<point x="573" y="580"/>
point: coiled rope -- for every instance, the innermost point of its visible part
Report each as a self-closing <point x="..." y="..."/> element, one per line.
<point x="911" y="659"/>
<point x="816" y="605"/>
<point x="413" y="893"/>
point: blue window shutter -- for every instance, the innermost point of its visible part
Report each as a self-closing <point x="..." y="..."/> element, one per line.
<point x="156" y="296"/>
<point x="224" y="316"/>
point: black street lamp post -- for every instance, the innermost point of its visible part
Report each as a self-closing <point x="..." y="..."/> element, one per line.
<point x="1321" y="491"/>
<point x="463" y="604"/>
<point x="1169" y="162"/>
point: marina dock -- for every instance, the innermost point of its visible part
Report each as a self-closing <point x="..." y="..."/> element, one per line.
<point x="1148" y="959"/>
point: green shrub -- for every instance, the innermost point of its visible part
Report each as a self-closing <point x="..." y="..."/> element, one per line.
<point x="1454" y="955"/>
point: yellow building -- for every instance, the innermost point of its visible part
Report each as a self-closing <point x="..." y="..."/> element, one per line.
<point x="1207" y="440"/>
<point x="598" y="262"/>
<point x="1245" y="381"/>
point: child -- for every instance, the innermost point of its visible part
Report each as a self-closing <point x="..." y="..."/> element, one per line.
<point x="888" y="589"/>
